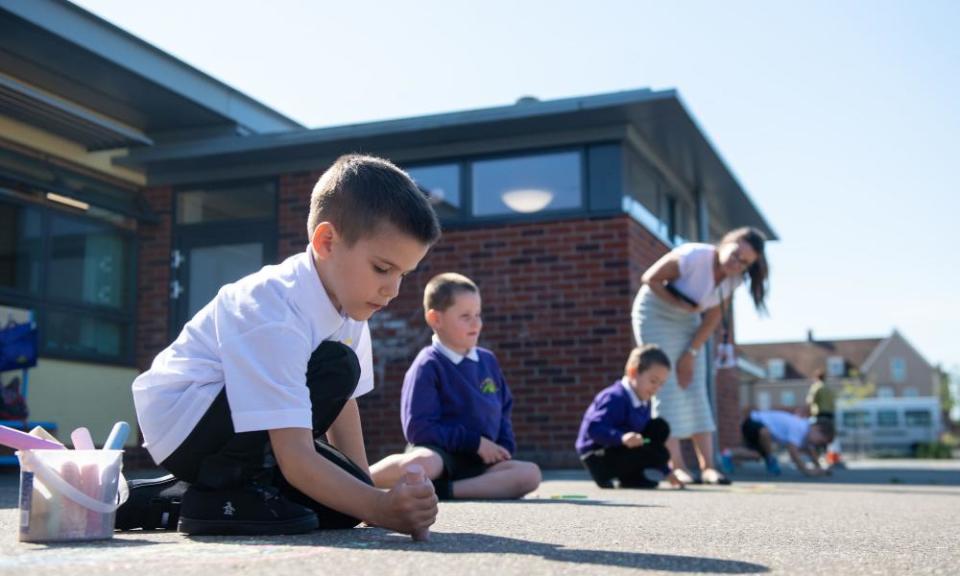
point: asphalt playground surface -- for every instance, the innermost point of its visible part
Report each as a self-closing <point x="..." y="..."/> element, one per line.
<point x="876" y="517"/>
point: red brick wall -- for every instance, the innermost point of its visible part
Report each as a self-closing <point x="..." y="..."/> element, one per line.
<point x="556" y="299"/>
<point x="293" y="205"/>
<point x="728" y="407"/>
<point x="153" y="278"/>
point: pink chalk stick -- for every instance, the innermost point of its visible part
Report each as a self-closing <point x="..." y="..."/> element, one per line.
<point x="73" y="520"/>
<point x="81" y="439"/>
<point x="90" y="484"/>
<point x="23" y="441"/>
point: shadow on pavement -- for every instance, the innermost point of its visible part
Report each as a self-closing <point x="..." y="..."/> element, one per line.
<point x="95" y="544"/>
<point x="573" y="501"/>
<point x="467" y="543"/>
<point x="875" y="473"/>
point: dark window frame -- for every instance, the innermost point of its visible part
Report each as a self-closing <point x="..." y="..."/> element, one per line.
<point x="42" y="304"/>
<point x="465" y="218"/>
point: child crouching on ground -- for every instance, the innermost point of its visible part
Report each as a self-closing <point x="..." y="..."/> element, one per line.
<point x="761" y="428"/>
<point x="455" y="406"/>
<point x="620" y="443"/>
<point x="253" y="408"/>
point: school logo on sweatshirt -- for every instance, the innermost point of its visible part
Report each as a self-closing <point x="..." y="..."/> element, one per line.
<point x="489" y="386"/>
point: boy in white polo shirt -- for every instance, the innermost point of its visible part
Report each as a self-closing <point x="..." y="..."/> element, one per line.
<point x="761" y="429"/>
<point x="237" y="407"/>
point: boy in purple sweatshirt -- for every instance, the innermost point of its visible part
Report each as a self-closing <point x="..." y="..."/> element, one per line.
<point x="455" y="406"/>
<point x="620" y="443"/>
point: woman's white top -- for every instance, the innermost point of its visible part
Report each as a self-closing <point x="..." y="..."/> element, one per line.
<point x="696" y="275"/>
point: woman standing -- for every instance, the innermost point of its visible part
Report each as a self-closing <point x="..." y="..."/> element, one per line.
<point x="684" y="297"/>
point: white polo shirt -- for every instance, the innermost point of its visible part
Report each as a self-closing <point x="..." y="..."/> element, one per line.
<point x="254" y="338"/>
<point x="785" y="428"/>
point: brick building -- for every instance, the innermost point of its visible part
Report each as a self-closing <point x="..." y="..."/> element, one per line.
<point x="556" y="208"/>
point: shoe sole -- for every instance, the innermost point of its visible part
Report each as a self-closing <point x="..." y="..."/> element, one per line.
<point x="194" y="526"/>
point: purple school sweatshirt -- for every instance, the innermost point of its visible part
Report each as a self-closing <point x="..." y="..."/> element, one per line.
<point x="452" y="405"/>
<point x="609" y="417"/>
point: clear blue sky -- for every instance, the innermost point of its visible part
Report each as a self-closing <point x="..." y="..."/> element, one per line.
<point x="840" y="119"/>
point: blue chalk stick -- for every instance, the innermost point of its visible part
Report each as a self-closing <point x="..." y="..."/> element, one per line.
<point x="117" y="436"/>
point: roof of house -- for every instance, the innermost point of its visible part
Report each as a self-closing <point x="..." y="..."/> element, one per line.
<point x="804" y="358"/>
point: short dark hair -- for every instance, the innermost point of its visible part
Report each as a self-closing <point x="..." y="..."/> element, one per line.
<point x="358" y="193"/>
<point x="442" y="289"/>
<point x="759" y="271"/>
<point x="644" y="357"/>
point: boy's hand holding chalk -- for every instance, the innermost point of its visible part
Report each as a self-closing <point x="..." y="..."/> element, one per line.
<point x="414" y="476"/>
<point x="633" y="440"/>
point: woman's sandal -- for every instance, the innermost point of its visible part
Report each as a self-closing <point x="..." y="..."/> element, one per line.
<point x="679" y="479"/>
<point x="711" y="476"/>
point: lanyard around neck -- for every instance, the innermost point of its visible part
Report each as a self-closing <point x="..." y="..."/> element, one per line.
<point x="725" y="312"/>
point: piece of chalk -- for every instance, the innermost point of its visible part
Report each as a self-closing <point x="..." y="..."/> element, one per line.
<point x="40" y="432"/>
<point x="82" y="440"/>
<point x="569" y="497"/>
<point x="118" y="435"/>
<point x="413" y="476"/>
<point x="73" y="518"/>
<point x="23" y="441"/>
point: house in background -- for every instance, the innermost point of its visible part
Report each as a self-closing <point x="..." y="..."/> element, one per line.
<point x="887" y="393"/>
<point x="867" y="367"/>
<point x="172" y="184"/>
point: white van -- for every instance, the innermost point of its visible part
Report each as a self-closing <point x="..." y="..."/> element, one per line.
<point x="887" y="424"/>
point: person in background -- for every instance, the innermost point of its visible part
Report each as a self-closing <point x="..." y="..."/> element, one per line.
<point x="685" y="296"/>
<point x="620" y="443"/>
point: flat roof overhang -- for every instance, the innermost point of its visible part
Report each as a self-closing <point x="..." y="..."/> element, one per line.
<point x="80" y="58"/>
<point x="655" y="122"/>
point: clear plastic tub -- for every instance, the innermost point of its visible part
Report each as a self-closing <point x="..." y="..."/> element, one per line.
<point x="68" y="494"/>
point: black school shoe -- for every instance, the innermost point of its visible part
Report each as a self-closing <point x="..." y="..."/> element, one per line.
<point x="250" y="511"/>
<point x="154" y="504"/>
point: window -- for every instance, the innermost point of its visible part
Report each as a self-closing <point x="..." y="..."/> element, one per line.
<point x="74" y="268"/>
<point x="918" y="418"/>
<point x="21" y="247"/>
<point x="763" y="400"/>
<point x="898" y="369"/>
<point x="442" y="185"/>
<point x="87" y="262"/>
<point x="856" y="419"/>
<point x="527" y="184"/>
<point x="788" y="398"/>
<point x="888" y="419"/>
<point x="836" y="366"/>
<point x="237" y="202"/>
<point x="910" y="392"/>
<point x="885" y="392"/>
<point x="776" y="369"/>
<point x="683" y="221"/>
<point x="646" y="198"/>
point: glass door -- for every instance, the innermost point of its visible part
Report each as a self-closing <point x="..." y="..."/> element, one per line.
<point x="222" y="235"/>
